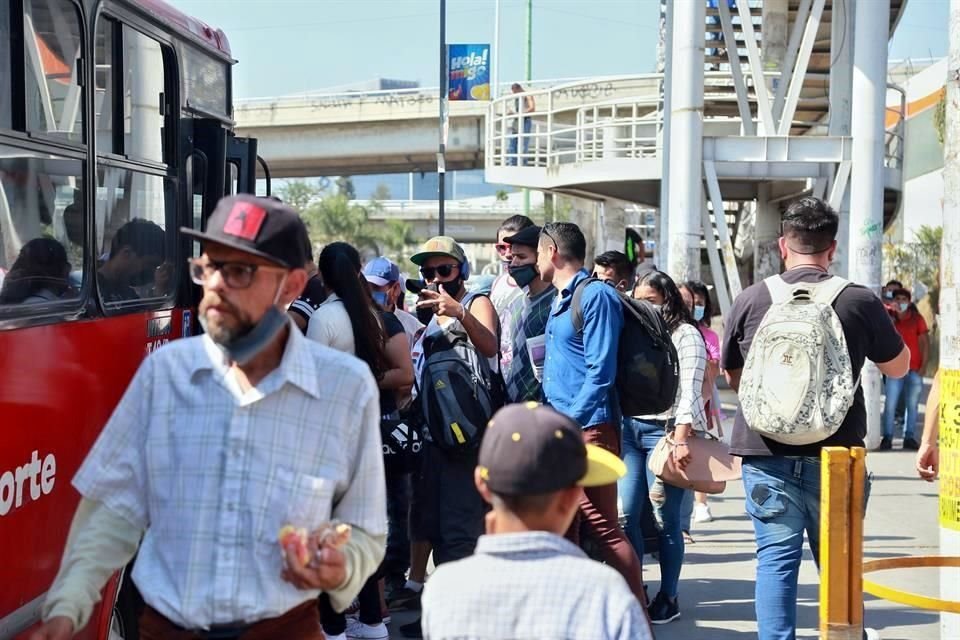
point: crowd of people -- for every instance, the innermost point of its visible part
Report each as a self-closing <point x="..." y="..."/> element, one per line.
<point x="482" y="429"/>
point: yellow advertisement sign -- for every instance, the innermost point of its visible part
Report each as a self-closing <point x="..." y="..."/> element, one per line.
<point x="950" y="448"/>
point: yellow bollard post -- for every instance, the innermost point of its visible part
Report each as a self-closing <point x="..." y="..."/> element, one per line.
<point x="834" y="543"/>
<point x="858" y="472"/>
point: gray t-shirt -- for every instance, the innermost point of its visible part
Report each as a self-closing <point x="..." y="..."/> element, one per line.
<point x="869" y="332"/>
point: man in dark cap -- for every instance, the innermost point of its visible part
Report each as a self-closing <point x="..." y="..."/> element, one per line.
<point x="219" y="442"/>
<point x="525" y="579"/>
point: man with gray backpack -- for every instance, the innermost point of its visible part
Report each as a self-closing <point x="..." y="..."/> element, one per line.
<point x="793" y="349"/>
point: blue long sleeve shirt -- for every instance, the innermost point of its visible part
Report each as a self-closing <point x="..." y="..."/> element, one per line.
<point x="580" y="367"/>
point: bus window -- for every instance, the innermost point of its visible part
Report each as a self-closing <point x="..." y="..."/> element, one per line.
<point x="135" y="251"/>
<point x="105" y="94"/>
<point x="41" y="228"/>
<point x="52" y="50"/>
<point x="6" y="81"/>
<point x="143" y="96"/>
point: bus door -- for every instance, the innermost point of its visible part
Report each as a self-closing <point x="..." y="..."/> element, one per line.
<point x="242" y="163"/>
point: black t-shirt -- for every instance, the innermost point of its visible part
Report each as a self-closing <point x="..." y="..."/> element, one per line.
<point x="312" y="297"/>
<point x="388" y="397"/>
<point x="869" y="333"/>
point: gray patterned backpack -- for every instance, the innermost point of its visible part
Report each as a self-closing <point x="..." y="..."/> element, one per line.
<point x="798" y="381"/>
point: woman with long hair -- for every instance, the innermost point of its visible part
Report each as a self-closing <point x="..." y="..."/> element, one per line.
<point x="348" y="320"/>
<point x="642" y="433"/>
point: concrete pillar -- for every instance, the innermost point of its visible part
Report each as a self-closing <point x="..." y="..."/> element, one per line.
<point x="685" y="199"/>
<point x="950" y="326"/>
<point x="775" y="31"/>
<point x="766" y="253"/>
<point x="663" y="222"/>
<point x="842" y="41"/>
<point x="866" y="192"/>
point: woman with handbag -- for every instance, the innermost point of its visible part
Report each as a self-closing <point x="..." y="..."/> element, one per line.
<point x="641" y="434"/>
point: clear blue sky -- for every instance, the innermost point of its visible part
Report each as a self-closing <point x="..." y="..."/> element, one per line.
<point x="292" y="46"/>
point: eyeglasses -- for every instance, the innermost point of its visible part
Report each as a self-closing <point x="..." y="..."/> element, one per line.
<point x="237" y="275"/>
<point x="444" y="271"/>
<point x="501" y="248"/>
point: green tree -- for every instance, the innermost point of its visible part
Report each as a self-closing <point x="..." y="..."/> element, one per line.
<point x="382" y="192"/>
<point x="918" y="261"/>
<point x="345" y="187"/>
<point x="300" y="194"/>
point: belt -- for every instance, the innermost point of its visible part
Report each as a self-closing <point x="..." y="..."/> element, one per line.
<point x="233" y="630"/>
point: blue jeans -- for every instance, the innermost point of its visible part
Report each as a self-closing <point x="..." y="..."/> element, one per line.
<point x="512" y="144"/>
<point x="783" y="500"/>
<point x="686" y="511"/>
<point x="638" y="441"/>
<point x="912" y="385"/>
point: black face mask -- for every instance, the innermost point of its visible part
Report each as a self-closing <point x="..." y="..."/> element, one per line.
<point x="453" y="287"/>
<point x="524" y="275"/>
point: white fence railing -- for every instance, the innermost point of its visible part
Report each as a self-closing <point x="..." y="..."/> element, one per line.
<point x="557" y="130"/>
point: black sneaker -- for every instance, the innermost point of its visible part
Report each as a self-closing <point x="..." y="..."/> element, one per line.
<point x="664" y="610"/>
<point x="412" y="630"/>
<point x="886" y="444"/>
<point x="405" y="598"/>
<point x="911" y="444"/>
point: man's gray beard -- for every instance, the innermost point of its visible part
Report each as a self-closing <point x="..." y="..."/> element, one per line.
<point x="224" y="335"/>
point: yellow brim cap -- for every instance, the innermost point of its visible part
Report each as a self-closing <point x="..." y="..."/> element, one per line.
<point x="602" y="468"/>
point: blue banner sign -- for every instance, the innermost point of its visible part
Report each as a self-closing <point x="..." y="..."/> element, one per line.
<point x="468" y="71"/>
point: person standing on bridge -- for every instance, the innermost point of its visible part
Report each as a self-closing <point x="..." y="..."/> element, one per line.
<point x="524" y="104"/>
<point x="782" y="481"/>
<point x="219" y="441"/>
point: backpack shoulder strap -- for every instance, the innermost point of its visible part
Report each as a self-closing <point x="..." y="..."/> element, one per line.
<point x="576" y="303"/>
<point x="826" y="292"/>
<point x="780" y="291"/>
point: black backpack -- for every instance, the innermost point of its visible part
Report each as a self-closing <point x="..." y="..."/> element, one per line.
<point x="648" y="369"/>
<point x="458" y="391"/>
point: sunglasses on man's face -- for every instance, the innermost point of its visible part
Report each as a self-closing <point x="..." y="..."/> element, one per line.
<point x="444" y="271"/>
<point x="501" y="248"/>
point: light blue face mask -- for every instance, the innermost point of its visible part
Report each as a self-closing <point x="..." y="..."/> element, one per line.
<point x="245" y="348"/>
<point x="698" y="312"/>
<point x="380" y="297"/>
<point x="904" y="306"/>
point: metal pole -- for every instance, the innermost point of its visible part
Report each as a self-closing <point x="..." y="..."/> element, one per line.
<point x="950" y="328"/>
<point x="441" y="155"/>
<point x="495" y="88"/>
<point x="866" y="192"/>
<point x="523" y="142"/>
<point x="685" y="199"/>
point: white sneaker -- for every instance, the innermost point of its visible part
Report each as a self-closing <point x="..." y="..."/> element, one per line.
<point x="339" y="636"/>
<point x="701" y="513"/>
<point x="872" y="634"/>
<point x="356" y="630"/>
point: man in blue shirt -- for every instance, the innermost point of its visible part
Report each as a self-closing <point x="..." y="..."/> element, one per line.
<point x="578" y="380"/>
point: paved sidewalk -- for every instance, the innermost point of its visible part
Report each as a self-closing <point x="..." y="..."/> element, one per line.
<point x="717" y="583"/>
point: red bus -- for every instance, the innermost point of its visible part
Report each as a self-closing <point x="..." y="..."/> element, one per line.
<point x="115" y="130"/>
